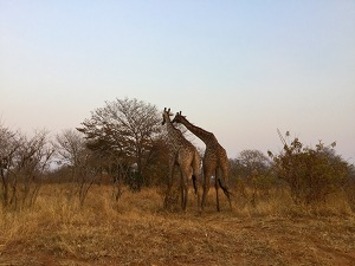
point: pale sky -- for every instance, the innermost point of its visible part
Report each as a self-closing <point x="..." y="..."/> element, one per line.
<point x="241" y="69"/>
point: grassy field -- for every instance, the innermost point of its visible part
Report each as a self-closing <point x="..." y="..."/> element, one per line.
<point x="137" y="231"/>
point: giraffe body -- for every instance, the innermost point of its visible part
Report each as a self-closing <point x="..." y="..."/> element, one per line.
<point x="185" y="155"/>
<point x="215" y="161"/>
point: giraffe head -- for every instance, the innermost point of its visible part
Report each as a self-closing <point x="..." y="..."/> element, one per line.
<point x="178" y="118"/>
<point x="166" y="116"/>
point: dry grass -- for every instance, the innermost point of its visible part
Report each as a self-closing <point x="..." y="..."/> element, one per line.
<point x="263" y="230"/>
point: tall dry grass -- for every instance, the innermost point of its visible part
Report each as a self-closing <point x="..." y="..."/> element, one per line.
<point x="137" y="229"/>
<point x="56" y="206"/>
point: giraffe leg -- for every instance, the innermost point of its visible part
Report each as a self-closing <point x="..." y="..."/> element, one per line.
<point x="216" y="186"/>
<point x="196" y="191"/>
<point x="206" y="186"/>
<point x="183" y="186"/>
<point x="184" y="192"/>
<point x="170" y="183"/>
<point x="186" y="196"/>
<point x="196" y="178"/>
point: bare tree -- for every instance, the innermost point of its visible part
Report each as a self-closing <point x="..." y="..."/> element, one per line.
<point x="82" y="168"/>
<point x="8" y="146"/>
<point x="23" y="162"/>
<point x="124" y="129"/>
<point x="70" y="147"/>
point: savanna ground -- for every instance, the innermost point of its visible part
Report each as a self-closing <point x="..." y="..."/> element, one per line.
<point x="260" y="230"/>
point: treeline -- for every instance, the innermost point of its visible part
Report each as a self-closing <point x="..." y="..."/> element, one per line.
<point x="124" y="144"/>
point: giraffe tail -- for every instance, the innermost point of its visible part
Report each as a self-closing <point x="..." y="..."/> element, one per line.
<point x="224" y="188"/>
<point x="194" y="182"/>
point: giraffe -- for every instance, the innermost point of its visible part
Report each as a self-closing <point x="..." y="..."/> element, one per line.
<point x="185" y="155"/>
<point x="215" y="158"/>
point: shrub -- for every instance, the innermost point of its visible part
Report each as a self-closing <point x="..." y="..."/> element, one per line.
<point x="311" y="173"/>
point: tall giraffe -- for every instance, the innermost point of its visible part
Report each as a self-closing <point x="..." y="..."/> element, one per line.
<point x="185" y="155"/>
<point x="215" y="158"/>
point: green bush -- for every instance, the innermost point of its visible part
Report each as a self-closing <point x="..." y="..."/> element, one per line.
<point x="311" y="173"/>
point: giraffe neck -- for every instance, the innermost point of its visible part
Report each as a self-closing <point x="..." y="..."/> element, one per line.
<point x="174" y="134"/>
<point x="206" y="136"/>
